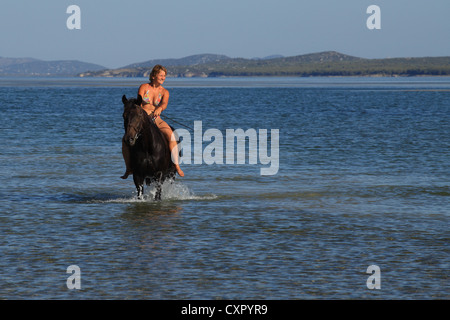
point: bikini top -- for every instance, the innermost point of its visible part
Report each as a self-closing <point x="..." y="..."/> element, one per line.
<point x="147" y="99"/>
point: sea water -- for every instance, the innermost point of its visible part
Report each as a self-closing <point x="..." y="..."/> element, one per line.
<point x="363" y="180"/>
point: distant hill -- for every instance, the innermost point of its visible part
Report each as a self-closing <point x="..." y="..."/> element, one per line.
<point x="269" y="57"/>
<point x="329" y="63"/>
<point x="186" y="61"/>
<point x="35" y="67"/>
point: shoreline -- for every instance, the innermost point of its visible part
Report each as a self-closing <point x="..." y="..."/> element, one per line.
<point x="39" y="76"/>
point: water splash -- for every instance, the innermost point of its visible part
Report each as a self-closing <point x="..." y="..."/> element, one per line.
<point x="171" y="190"/>
<point x="174" y="190"/>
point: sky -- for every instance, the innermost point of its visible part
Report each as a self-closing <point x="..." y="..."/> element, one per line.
<point x="115" y="33"/>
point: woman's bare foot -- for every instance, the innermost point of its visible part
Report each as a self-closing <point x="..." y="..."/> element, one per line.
<point x="126" y="174"/>
<point x="180" y="172"/>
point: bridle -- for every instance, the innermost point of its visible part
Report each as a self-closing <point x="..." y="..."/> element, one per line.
<point x="138" y="130"/>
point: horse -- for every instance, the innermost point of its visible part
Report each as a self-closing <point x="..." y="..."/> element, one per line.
<point x="150" y="154"/>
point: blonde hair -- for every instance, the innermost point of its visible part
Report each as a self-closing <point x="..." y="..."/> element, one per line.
<point x="155" y="71"/>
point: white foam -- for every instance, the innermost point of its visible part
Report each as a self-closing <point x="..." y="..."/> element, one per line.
<point x="171" y="190"/>
<point x="176" y="190"/>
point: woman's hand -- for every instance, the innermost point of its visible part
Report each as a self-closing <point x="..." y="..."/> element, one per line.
<point x="157" y="112"/>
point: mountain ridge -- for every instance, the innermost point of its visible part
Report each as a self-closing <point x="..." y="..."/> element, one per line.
<point x="326" y="63"/>
<point x="36" y="67"/>
<point x="185" y="61"/>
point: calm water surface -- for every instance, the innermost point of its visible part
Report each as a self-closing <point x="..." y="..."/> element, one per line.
<point x="363" y="180"/>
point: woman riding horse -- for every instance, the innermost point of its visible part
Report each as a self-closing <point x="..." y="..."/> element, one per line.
<point x="154" y="100"/>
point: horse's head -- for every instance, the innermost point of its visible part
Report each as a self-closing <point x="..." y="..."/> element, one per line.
<point x="134" y="117"/>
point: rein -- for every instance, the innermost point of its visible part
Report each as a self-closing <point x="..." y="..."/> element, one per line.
<point x="179" y="123"/>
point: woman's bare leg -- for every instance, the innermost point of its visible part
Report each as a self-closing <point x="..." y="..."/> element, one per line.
<point x="173" y="145"/>
<point x="126" y="157"/>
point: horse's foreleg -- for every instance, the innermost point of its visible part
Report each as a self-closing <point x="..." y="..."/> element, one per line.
<point x="159" y="181"/>
<point x="158" y="191"/>
<point x="139" y="183"/>
<point x="140" y="191"/>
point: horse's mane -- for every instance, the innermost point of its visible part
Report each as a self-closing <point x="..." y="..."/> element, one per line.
<point x="135" y="101"/>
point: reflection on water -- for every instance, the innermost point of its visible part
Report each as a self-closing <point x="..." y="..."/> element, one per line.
<point x="151" y="210"/>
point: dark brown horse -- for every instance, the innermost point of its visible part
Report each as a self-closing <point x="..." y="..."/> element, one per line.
<point x="150" y="155"/>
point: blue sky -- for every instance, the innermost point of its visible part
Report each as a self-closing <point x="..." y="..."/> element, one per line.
<point x="116" y="33"/>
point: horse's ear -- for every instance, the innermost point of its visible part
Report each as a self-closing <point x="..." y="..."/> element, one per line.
<point x="139" y="100"/>
<point x="124" y="99"/>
